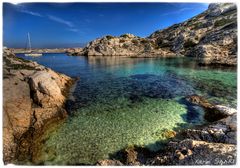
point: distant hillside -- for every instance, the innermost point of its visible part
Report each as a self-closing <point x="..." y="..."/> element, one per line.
<point x="211" y="37"/>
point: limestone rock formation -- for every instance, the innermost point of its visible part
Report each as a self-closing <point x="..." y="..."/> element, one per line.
<point x="125" y="45"/>
<point x="32" y="95"/>
<point x="210" y="37"/>
<point x="192" y="152"/>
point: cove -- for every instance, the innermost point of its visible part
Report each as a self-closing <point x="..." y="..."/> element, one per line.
<point x="120" y="102"/>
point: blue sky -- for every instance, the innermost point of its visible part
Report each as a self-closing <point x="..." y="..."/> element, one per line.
<point x="71" y="24"/>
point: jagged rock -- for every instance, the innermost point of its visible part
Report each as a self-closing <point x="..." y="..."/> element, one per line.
<point x="216" y="9"/>
<point x="222" y="131"/>
<point x="33" y="95"/>
<point x="226" y="110"/>
<point x="198" y="100"/>
<point x="205" y="53"/>
<point x="191" y="152"/>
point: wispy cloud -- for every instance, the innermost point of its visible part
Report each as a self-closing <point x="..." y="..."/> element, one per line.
<point x="71" y="26"/>
<point x="73" y="30"/>
<point x="31" y="13"/>
<point x="60" y="20"/>
<point x="177" y="11"/>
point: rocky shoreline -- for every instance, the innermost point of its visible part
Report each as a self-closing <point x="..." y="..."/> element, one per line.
<point x="210" y="37"/>
<point x="33" y="96"/>
<point x="214" y="143"/>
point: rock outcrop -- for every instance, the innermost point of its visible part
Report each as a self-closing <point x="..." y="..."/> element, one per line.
<point x="212" y="112"/>
<point x="192" y="152"/>
<point x="32" y="96"/>
<point x="210" y="37"/>
<point x="125" y="45"/>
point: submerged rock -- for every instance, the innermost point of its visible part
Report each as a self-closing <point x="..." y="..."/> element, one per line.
<point x="213" y="143"/>
<point x="212" y="112"/>
<point x="109" y="163"/>
<point x="33" y="95"/>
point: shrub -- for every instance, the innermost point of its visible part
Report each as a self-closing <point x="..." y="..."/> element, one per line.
<point x="144" y="41"/>
<point x="164" y="43"/>
<point x="154" y="45"/>
<point x="189" y="43"/>
<point x="229" y="12"/>
<point x="121" y="41"/>
<point x="197" y="25"/>
<point x="134" y="41"/>
<point x="222" y="22"/>
<point x="115" y="48"/>
<point x="125" y="45"/>
<point x="109" y="37"/>
<point x="124" y="35"/>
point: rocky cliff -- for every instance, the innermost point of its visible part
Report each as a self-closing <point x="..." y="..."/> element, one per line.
<point x="210" y="37"/>
<point x="32" y="96"/>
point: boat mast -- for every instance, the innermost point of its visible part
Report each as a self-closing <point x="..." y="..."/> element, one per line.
<point x="29" y="41"/>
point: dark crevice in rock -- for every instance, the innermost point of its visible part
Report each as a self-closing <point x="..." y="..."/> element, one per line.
<point x="26" y="141"/>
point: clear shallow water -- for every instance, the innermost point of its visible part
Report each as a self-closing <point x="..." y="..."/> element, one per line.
<point x="121" y="102"/>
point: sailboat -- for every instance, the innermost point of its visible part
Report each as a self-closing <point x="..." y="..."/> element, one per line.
<point x="30" y="52"/>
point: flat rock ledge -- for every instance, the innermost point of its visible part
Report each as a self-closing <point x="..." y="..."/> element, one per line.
<point x="214" y="143"/>
<point x="33" y="95"/>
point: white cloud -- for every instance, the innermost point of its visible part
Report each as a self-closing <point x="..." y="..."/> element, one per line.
<point x="73" y="29"/>
<point x="31" y="13"/>
<point x="71" y="26"/>
<point x="60" y="20"/>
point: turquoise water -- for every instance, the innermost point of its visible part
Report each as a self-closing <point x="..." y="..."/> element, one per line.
<point x="121" y="102"/>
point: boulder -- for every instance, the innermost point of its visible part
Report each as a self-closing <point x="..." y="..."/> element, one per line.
<point x="44" y="88"/>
